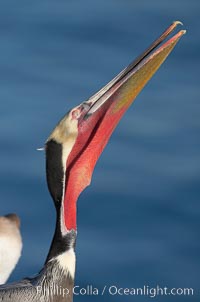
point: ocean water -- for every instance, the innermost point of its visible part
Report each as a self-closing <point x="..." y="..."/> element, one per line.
<point x="139" y="221"/>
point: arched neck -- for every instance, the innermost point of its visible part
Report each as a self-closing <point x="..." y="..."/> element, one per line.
<point x="62" y="241"/>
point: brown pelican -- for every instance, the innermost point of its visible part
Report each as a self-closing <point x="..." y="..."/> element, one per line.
<point x="10" y="245"/>
<point x="72" y="151"/>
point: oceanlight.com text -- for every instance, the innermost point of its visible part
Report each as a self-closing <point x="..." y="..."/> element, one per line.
<point x="114" y="290"/>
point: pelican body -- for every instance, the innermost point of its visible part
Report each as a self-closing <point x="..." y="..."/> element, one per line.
<point x="10" y="245"/>
<point x="72" y="151"/>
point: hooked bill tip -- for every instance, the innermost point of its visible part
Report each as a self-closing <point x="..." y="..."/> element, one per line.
<point x="177" y="23"/>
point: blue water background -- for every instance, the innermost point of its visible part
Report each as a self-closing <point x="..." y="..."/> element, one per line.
<point x="139" y="221"/>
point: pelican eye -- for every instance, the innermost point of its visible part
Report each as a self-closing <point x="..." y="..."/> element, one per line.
<point x="76" y="113"/>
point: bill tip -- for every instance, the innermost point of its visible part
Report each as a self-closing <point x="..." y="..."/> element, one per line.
<point x="178" y="23"/>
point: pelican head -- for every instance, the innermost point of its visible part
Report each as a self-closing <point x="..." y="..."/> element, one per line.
<point x="76" y="143"/>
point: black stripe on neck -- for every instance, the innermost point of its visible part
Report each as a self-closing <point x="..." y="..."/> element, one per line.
<point x="61" y="243"/>
<point x="55" y="175"/>
<point x="54" y="170"/>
